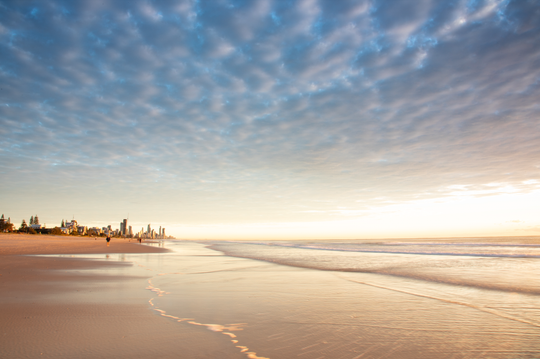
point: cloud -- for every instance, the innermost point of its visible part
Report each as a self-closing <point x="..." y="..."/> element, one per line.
<point x="239" y="102"/>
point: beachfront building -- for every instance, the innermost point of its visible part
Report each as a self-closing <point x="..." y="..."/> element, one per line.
<point x="69" y="227"/>
<point x="82" y="230"/>
<point x="108" y="231"/>
<point x="151" y="233"/>
<point x="124" y="228"/>
<point x="94" y="231"/>
<point x="139" y="234"/>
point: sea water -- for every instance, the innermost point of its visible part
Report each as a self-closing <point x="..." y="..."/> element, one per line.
<point x="466" y="298"/>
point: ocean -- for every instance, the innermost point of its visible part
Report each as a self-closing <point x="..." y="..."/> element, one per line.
<point x="444" y="298"/>
<point x="453" y="298"/>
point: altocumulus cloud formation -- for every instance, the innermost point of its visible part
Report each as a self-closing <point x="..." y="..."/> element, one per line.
<point x="253" y="111"/>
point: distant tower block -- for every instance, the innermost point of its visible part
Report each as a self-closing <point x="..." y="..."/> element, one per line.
<point x="163" y="233"/>
<point x="124" y="227"/>
<point x="160" y="232"/>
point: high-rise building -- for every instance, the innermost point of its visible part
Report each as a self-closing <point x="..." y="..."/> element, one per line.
<point x="124" y="227"/>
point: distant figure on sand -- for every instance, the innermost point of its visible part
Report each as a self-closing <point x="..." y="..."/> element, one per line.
<point x="108" y="240"/>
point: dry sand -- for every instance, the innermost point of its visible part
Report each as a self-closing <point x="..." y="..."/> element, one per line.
<point x="51" y="308"/>
<point x="16" y="244"/>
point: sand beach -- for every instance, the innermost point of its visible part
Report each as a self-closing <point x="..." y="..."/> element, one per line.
<point x="63" y="297"/>
<point x="56" y="307"/>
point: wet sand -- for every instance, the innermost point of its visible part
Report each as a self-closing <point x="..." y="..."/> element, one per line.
<point x="51" y="308"/>
<point x="197" y="302"/>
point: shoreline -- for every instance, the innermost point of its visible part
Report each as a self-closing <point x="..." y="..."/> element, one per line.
<point x="61" y="307"/>
<point x="196" y="302"/>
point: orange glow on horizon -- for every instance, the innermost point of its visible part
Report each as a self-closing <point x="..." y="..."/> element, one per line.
<point x="464" y="215"/>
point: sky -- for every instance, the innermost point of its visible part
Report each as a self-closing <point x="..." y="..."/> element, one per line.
<point x="273" y="119"/>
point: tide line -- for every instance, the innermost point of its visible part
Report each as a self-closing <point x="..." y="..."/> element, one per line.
<point x="480" y="308"/>
<point x="223" y="329"/>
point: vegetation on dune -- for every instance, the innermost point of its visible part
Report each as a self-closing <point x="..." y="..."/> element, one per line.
<point x="32" y="227"/>
<point x="56" y="231"/>
<point x="5" y="225"/>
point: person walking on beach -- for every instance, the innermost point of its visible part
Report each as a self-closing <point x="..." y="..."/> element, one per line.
<point x="108" y="240"/>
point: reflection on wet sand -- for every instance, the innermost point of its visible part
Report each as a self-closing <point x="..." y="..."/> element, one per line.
<point x="481" y="308"/>
<point x="346" y="314"/>
<point x="439" y="306"/>
<point x="223" y="329"/>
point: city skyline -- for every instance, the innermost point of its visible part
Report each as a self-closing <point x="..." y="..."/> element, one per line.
<point x="124" y="229"/>
<point x="274" y="119"/>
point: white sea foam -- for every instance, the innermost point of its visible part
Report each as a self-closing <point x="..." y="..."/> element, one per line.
<point x="510" y="267"/>
<point x="498" y="278"/>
